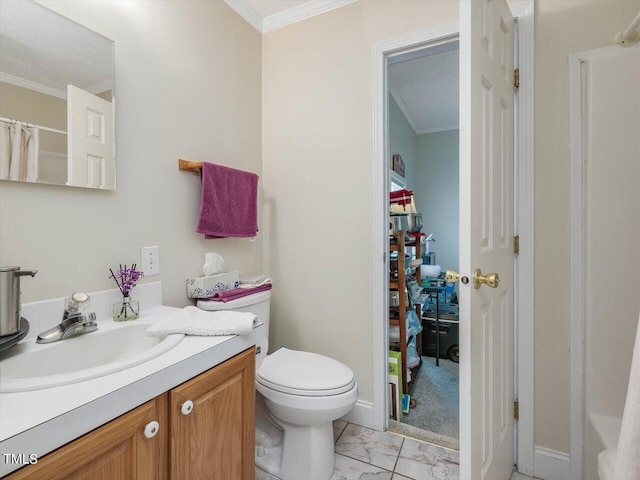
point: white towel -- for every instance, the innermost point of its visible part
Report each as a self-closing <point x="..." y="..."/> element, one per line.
<point x="193" y="321"/>
<point x="627" y="461"/>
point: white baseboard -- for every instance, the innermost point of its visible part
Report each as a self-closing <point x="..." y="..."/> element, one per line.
<point x="551" y="464"/>
<point x="361" y="414"/>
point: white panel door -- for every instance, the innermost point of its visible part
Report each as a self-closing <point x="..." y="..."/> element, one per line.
<point x="91" y="161"/>
<point x="486" y="239"/>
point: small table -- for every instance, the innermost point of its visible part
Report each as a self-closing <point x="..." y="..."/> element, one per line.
<point x="431" y="290"/>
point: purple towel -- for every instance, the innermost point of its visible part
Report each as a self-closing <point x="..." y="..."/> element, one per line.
<point x="238" y="293"/>
<point x="228" y="202"/>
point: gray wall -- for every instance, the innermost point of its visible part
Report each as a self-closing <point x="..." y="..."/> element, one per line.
<point x="402" y="140"/>
<point x="437" y="197"/>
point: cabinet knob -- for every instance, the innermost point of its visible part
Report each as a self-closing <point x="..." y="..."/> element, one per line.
<point x="186" y="407"/>
<point x="151" y="429"/>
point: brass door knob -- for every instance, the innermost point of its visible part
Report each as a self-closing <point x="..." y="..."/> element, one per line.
<point x="451" y="276"/>
<point x="490" y="279"/>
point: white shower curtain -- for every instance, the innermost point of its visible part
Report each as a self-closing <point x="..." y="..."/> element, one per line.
<point x="5" y="150"/>
<point x="627" y="466"/>
<point x="19" y="147"/>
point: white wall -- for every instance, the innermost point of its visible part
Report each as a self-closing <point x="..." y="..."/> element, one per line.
<point x="437" y="199"/>
<point x="562" y="27"/>
<point x="188" y="85"/>
<point x="612" y="227"/>
<point x="612" y="232"/>
<point x="317" y="150"/>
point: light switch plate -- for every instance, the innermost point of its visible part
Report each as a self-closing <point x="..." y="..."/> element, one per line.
<point x="150" y="260"/>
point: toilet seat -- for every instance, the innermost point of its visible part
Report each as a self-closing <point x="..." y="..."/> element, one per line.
<point x="305" y="393"/>
<point x="304" y="374"/>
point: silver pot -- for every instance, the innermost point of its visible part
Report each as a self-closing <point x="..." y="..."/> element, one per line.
<point x="398" y="223"/>
<point x="414" y="222"/>
<point x="10" y="298"/>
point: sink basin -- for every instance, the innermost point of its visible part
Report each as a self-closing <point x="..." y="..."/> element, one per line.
<point x="81" y="358"/>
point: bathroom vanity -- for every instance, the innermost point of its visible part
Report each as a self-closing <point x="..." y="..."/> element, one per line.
<point x="189" y="413"/>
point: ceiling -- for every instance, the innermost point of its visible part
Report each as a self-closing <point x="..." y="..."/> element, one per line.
<point x="426" y="90"/>
<point x="40" y="46"/>
<point x="267" y="15"/>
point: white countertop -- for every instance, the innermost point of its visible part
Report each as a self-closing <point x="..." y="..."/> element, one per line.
<point x="39" y="421"/>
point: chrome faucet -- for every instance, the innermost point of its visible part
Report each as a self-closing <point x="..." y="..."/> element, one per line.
<point x="74" y="322"/>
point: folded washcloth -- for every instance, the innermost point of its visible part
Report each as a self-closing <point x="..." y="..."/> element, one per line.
<point x="252" y="278"/>
<point x="228" y="202"/>
<point x="238" y="293"/>
<point x="193" y="321"/>
<point x="255" y="283"/>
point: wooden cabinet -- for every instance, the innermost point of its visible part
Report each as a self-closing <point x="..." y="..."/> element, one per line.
<point x="213" y="436"/>
<point x="118" y="450"/>
<point x="398" y="315"/>
<point x="206" y="430"/>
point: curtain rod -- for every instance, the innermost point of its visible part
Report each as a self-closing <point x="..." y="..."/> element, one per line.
<point x="46" y="129"/>
<point x="630" y="35"/>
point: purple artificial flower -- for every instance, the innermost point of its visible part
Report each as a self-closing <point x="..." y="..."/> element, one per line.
<point x="126" y="278"/>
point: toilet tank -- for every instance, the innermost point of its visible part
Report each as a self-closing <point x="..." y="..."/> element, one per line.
<point x="258" y="304"/>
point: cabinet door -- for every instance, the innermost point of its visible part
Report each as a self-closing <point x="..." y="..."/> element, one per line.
<point x="118" y="450"/>
<point x="213" y="437"/>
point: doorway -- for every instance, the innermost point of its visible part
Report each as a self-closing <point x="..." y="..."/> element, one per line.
<point x="487" y="428"/>
<point x="423" y="128"/>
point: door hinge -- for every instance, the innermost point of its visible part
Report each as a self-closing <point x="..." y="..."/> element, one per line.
<point x="516" y="410"/>
<point x="516" y="78"/>
<point x="384" y="257"/>
<point x="516" y="245"/>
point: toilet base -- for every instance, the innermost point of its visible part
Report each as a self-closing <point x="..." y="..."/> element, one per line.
<point x="308" y="454"/>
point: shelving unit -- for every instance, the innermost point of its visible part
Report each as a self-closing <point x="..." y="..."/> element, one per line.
<point x="399" y="318"/>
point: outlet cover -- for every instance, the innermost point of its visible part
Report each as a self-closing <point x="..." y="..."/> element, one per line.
<point x="150" y="260"/>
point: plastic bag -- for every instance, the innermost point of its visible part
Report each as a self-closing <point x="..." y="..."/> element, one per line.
<point x="414" y="326"/>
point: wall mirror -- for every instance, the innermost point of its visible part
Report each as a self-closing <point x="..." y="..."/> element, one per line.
<point x="57" y="98"/>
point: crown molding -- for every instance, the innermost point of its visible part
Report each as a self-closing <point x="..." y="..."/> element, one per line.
<point x="100" y="87"/>
<point x="246" y="11"/>
<point x="31" y="85"/>
<point x="439" y="129"/>
<point x="306" y="10"/>
<point x="301" y="12"/>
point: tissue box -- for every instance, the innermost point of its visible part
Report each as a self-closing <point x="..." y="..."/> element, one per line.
<point x="206" y="286"/>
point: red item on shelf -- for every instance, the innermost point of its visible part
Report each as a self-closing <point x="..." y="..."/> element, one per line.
<point x="400" y="197"/>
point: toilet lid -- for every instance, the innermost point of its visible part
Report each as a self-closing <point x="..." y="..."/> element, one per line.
<point x="304" y="373"/>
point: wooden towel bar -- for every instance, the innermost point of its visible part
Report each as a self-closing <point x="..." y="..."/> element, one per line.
<point x="189" y="166"/>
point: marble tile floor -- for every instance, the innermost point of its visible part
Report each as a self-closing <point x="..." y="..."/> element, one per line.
<point x="364" y="454"/>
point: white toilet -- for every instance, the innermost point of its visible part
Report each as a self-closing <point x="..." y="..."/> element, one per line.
<point x="299" y="395"/>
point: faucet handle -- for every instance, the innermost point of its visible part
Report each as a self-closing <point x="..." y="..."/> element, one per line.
<point x="76" y="303"/>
